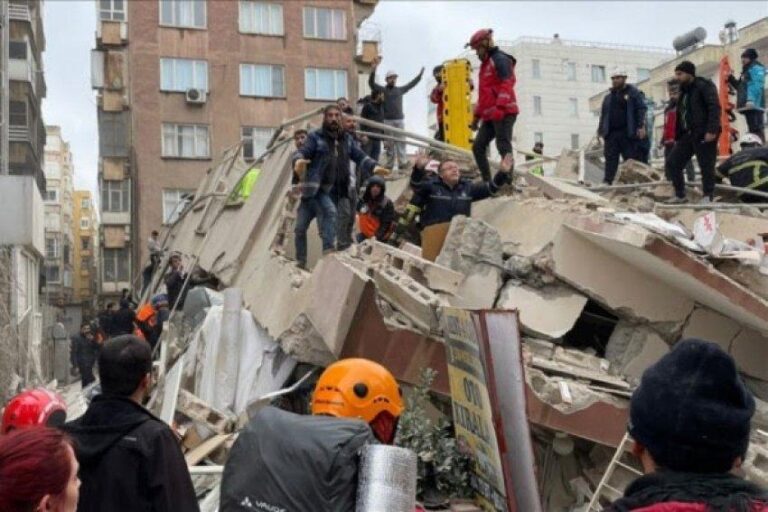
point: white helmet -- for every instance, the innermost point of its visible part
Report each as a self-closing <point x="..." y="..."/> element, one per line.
<point x="619" y="71"/>
<point x="750" y="139"/>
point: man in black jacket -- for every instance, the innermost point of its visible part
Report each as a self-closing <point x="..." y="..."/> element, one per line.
<point x="373" y="110"/>
<point x="174" y="281"/>
<point x="697" y="130"/>
<point x="85" y="350"/>
<point x="129" y="459"/>
<point x="123" y="319"/>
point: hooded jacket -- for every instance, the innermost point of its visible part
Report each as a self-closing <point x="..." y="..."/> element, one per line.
<point x="376" y="217"/>
<point x="698" y="109"/>
<point x="129" y="460"/>
<point x="496" y="93"/>
<point x="750" y="87"/>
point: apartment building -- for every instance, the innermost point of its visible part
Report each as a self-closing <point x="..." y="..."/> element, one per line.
<point x="58" y="199"/>
<point x="84" y="262"/>
<point x="180" y="81"/>
<point x="556" y="78"/>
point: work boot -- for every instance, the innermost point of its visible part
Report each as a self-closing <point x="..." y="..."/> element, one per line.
<point x="676" y="200"/>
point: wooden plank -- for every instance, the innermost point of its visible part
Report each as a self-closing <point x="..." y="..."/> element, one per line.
<point x="209" y="445"/>
<point x="432" y="240"/>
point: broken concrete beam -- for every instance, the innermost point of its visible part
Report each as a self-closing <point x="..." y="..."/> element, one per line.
<point x="414" y="300"/>
<point x="747" y="275"/>
<point x="474" y="249"/>
<point x="196" y="455"/>
<point x="708" y="325"/>
<point x="633" y="171"/>
<point x="197" y="410"/>
<point x="550" y="312"/>
<point x="555" y="188"/>
<point x="631" y="349"/>
<point x="750" y="350"/>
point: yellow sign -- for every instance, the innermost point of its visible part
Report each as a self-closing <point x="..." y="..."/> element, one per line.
<point x="472" y="412"/>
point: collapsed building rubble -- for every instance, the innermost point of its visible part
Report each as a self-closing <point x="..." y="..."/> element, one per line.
<point x="605" y="283"/>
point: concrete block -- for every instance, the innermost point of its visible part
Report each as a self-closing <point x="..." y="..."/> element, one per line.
<point x="750" y="350"/>
<point x="555" y="188"/>
<point x="756" y="465"/>
<point x="633" y="171"/>
<point x="414" y="300"/>
<point x="632" y="349"/>
<point x="200" y="412"/>
<point x="708" y="325"/>
<point x="550" y="312"/>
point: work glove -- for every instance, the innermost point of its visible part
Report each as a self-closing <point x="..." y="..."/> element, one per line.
<point x="381" y="171"/>
<point x="300" y="168"/>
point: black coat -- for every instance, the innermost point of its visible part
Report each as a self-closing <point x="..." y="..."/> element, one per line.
<point x="698" y="109"/>
<point x="130" y="461"/>
<point x="84" y="350"/>
<point x="122" y="321"/>
<point x="174" y="281"/>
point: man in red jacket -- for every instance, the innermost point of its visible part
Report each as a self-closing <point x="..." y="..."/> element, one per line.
<point x="690" y="419"/>
<point x="496" y="102"/>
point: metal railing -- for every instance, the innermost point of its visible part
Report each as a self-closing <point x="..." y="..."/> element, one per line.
<point x="583" y="44"/>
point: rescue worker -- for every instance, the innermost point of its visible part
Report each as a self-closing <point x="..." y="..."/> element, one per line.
<point x="375" y="212"/>
<point x="174" y="281"/>
<point x="129" y="459"/>
<point x="344" y="193"/>
<point x="85" y="348"/>
<point x="373" y="110"/>
<point x="538" y="148"/>
<point x="33" y="408"/>
<point x="670" y="127"/>
<point x="436" y="97"/>
<point x="696" y="132"/>
<point x="321" y="164"/>
<point x="622" y="123"/>
<point x="748" y="168"/>
<point x="151" y="317"/>
<point x="750" y="92"/>
<point x="496" y="102"/>
<point x="393" y="110"/>
<point x="690" y="420"/>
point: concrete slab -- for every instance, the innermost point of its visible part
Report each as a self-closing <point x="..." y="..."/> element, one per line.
<point x="750" y="350"/>
<point x="631" y="349"/>
<point x="550" y="312"/>
<point x="708" y="325"/>
<point x="414" y="300"/>
<point x="554" y="188"/>
<point x="731" y="225"/>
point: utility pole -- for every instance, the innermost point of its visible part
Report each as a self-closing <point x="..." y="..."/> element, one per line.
<point x="4" y="86"/>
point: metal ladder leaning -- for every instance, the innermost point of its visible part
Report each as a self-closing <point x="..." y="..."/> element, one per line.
<point x="594" y="503"/>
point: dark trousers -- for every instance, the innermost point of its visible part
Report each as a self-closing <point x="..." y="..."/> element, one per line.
<point x="755" y="122"/>
<point x="617" y="143"/>
<point x="372" y="148"/>
<point x="680" y="155"/>
<point x="85" y="365"/>
<point x="489" y="130"/>
<point x="690" y="172"/>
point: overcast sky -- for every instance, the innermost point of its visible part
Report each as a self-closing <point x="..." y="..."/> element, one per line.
<point x="415" y="34"/>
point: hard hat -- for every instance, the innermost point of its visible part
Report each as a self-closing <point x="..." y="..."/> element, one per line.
<point x="483" y="33"/>
<point x="749" y="139"/>
<point x="362" y="389"/>
<point x="34" y="407"/>
<point x="617" y="71"/>
<point x="391" y="73"/>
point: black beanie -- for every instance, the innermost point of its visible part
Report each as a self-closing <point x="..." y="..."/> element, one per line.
<point x="692" y="411"/>
<point x="750" y="53"/>
<point x="686" y="67"/>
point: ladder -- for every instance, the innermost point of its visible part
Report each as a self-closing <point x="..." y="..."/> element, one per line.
<point x="605" y="482"/>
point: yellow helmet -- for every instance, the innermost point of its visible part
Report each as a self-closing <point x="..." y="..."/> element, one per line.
<point x="361" y="389"/>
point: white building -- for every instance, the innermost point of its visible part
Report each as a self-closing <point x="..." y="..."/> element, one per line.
<point x="555" y="80"/>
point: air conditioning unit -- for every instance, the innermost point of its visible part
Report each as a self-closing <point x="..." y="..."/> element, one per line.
<point x="195" y="96"/>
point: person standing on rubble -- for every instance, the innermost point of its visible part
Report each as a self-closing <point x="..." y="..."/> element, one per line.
<point x="86" y="351"/>
<point x="750" y="92"/>
<point x="393" y="110"/>
<point x="129" y="459"/>
<point x="697" y="131"/>
<point x="670" y="127"/>
<point x="322" y="164"/>
<point x="373" y="110"/>
<point x="344" y="193"/>
<point x="622" y="123"/>
<point x="538" y="149"/>
<point x="496" y="102"/>
<point x="174" y="281"/>
<point x="690" y="420"/>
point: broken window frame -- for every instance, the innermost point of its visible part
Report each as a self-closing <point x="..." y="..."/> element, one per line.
<point x="255" y="140"/>
<point x="313" y="78"/>
<point x="183" y="14"/>
<point x="324" y="23"/>
<point x="186" y="141"/>
<point x="261" y="18"/>
<point x="173" y="77"/>
<point x="254" y="84"/>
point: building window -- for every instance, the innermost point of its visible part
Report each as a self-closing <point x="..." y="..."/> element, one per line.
<point x="574" y="141"/>
<point x="262" y="80"/>
<point x="85" y="203"/>
<point x="17" y="111"/>
<point x="85" y="243"/>
<point x="536" y="68"/>
<point x="174" y="202"/>
<point x="570" y="71"/>
<point x="112" y="10"/>
<point x="322" y="23"/>
<point x="537" y="105"/>
<point x="538" y="138"/>
<point x="183" y="13"/>
<point x="178" y="75"/>
<point x="115" y="196"/>
<point x="185" y="141"/>
<point x="261" y="18"/>
<point x="598" y="74"/>
<point x="51" y="195"/>
<point x="52" y="274"/>
<point x="116" y="265"/>
<point x="573" y="107"/>
<point x="85" y="223"/>
<point x="325" y="84"/>
<point x="255" y="140"/>
<point x="643" y="74"/>
<point x="51" y="247"/>
<point x="17" y="50"/>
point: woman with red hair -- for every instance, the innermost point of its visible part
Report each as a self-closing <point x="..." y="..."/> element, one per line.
<point x="38" y="471"/>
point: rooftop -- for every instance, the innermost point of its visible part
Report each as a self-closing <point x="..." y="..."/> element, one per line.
<point x="583" y="44"/>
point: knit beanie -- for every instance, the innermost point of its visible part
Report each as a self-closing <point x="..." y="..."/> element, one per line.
<point x="692" y="411"/>
<point x="686" y="67"/>
<point x="750" y="53"/>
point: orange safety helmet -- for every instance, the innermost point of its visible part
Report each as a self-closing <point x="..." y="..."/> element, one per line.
<point x="34" y="407"/>
<point x="361" y="389"/>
